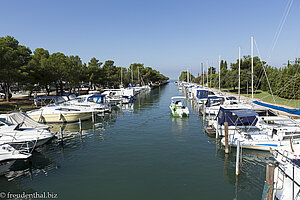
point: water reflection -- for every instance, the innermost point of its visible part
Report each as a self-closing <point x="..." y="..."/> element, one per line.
<point x="252" y="170"/>
<point x="178" y="124"/>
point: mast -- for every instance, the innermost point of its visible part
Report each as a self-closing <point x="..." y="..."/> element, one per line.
<point x="207" y="72"/>
<point x="219" y="73"/>
<point x="138" y="75"/>
<point x="131" y="74"/>
<point x="202" y="75"/>
<point x="212" y="65"/>
<point x="239" y="74"/>
<point x="187" y="75"/>
<point x="190" y="75"/>
<point x="121" y="77"/>
<point x="252" y="66"/>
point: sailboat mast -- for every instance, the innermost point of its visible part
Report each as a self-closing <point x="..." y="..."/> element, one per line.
<point x="202" y="75"/>
<point x="190" y="75"/>
<point x="187" y="75"/>
<point x="121" y="77"/>
<point x="239" y="74"/>
<point x="131" y="74"/>
<point x="207" y="72"/>
<point x="212" y="65"/>
<point x="138" y="75"/>
<point x="219" y="73"/>
<point x="252" y="66"/>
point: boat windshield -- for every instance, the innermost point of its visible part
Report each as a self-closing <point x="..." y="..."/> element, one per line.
<point x="3" y="122"/>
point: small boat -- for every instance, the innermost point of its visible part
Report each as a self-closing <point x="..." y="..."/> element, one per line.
<point x="177" y="108"/>
<point x="8" y="155"/>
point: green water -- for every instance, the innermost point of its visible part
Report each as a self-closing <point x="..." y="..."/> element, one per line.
<point x="139" y="153"/>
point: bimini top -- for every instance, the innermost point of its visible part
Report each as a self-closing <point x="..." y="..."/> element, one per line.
<point x="178" y="97"/>
<point x="237" y="117"/>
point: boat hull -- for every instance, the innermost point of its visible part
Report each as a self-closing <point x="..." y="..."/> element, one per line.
<point x="61" y="118"/>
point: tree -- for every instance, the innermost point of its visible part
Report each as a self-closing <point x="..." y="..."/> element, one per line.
<point x="183" y="76"/>
<point x="35" y="74"/>
<point x="12" y="57"/>
<point x="94" y="73"/>
<point x="58" y="64"/>
<point x="75" y="72"/>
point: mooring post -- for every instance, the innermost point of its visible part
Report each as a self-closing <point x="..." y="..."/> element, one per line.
<point x="61" y="133"/>
<point x="270" y="180"/>
<point x="80" y="126"/>
<point x="93" y="117"/>
<point x="237" y="164"/>
<point x="226" y="137"/>
<point x="217" y="129"/>
<point x="204" y="111"/>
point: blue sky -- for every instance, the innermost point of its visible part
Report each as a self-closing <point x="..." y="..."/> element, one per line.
<point x="167" y="35"/>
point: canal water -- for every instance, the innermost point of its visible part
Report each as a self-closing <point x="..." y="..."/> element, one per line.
<point x="139" y="152"/>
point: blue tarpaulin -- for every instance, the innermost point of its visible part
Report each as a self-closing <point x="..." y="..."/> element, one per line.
<point x="292" y="111"/>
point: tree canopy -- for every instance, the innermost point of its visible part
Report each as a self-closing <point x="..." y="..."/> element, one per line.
<point x="42" y="70"/>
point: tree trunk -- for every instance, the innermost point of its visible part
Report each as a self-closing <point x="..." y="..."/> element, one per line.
<point x="6" y="91"/>
<point x="56" y="89"/>
<point x="61" y="88"/>
<point x="48" y="90"/>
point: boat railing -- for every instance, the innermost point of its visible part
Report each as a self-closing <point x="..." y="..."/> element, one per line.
<point x="285" y="159"/>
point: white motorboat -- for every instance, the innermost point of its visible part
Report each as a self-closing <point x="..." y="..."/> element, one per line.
<point x="93" y="101"/>
<point x="8" y="155"/>
<point x="257" y="139"/>
<point x="23" y="119"/>
<point x="238" y="117"/>
<point x="17" y="136"/>
<point x="177" y="108"/>
<point x="272" y="131"/>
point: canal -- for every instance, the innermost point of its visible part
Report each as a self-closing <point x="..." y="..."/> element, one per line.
<point x="139" y="152"/>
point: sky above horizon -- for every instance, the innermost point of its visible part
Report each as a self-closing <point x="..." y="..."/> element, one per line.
<point x="169" y="36"/>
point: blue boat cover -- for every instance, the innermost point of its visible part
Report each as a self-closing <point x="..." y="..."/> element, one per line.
<point x="96" y="96"/>
<point x="292" y="111"/>
<point x="296" y="162"/>
<point x="237" y="117"/>
<point x="202" y="94"/>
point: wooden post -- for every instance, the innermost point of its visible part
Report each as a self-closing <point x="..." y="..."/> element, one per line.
<point x="80" y="126"/>
<point x="226" y="137"/>
<point x="237" y="164"/>
<point x="270" y="180"/>
<point x="61" y="133"/>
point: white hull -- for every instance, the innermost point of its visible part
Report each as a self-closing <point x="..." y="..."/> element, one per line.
<point x="63" y="117"/>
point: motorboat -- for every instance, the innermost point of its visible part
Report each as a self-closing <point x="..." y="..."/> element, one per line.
<point x="93" y="101"/>
<point x="271" y="131"/>
<point x="238" y="117"/>
<point x="178" y="109"/>
<point x="8" y="155"/>
<point x="18" y="136"/>
<point x="59" y="111"/>
<point x="23" y="119"/>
